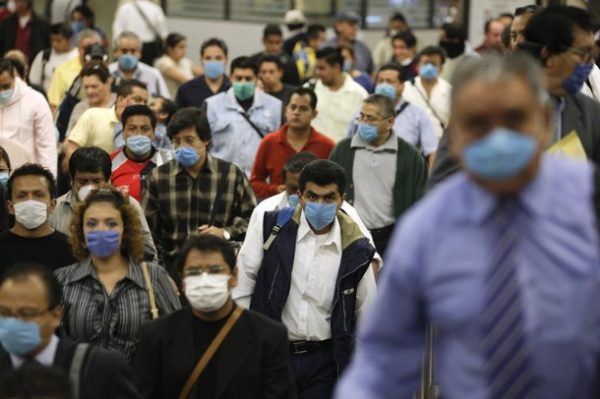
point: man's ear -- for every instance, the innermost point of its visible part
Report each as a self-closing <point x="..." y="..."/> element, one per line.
<point x="51" y="206"/>
<point x="10" y="206"/>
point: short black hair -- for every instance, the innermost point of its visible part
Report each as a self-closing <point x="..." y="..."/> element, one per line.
<point x="168" y="106"/>
<point x="189" y="117"/>
<point x="323" y="172"/>
<point x="213" y="41"/>
<point x="313" y="30"/>
<point x="33" y="380"/>
<point x="86" y="11"/>
<point x="138" y="109"/>
<point x="331" y="55"/>
<point x="7" y="65"/>
<point x="126" y="87"/>
<point x="5" y="157"/>
<point x="272" y="29"/>
<point x="31" y="169"/>
<point x="207" y="243"/>
<point x="454" y="31"/>
<point x="91" y="160"/>
<point x="553" y="29"/>
<point x="398" y="16"/>
<point x="95" y="68"/>
<point x="528" y="9"/>
<point x="305" y="91"/>
<point x="392" y="66"/>
<point x="62" y="29"/>
<point x="296" y="162"/>
<point x="433" y="50"/>
<point x="243" y="62"/>
<point x="173" y="39"/>
<point x="407" y="37"/>
<point x="270" y="58"/>
<point x="23" y="270"/>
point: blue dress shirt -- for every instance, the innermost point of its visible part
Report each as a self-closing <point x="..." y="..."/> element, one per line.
<point x="435" y="271"/>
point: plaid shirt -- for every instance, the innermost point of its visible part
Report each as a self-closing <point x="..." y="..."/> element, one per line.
<point x="176" y="204"/>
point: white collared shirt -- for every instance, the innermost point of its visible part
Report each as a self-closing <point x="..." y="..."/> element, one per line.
<point x="439" y="101"/>
<point x="45" y="357"/>
<point x="307" y="312"/>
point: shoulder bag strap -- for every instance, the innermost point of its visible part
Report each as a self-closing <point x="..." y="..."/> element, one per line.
<point x="45" y="59"/>
<point x="76" y="367"/>
<point x="424" y="97"/>
<point x="153" y="308"/>
<point x="214" y="345"/>
<point x="145" y="18"/>
<point x="247" y="118"/>
<point x="402" y="108"/>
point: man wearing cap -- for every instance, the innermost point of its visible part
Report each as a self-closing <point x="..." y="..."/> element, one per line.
<point x="295" y="21"/>
<point x="346" y="29"/>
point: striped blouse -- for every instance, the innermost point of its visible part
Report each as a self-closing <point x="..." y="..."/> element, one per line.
<point x="112" y="321"/>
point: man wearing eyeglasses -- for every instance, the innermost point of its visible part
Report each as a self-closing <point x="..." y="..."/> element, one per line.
<point x="385" y="174"/>
<point x="561" y="39"/>
<point x="252" y="360"/>
<point x="30" y="312"/>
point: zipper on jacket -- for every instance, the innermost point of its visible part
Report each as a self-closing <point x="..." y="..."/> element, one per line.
<point x="338" y="296"/>
<point x="274" y="279"/>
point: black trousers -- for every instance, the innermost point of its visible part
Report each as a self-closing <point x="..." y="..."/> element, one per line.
<point x="381" y="237"/>
<point x="315" y="373"/>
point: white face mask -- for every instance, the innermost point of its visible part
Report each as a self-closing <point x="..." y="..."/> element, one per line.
<point x="84" y="191"/>
<point x="207" y="292"/>
<point x="31" y="214"/>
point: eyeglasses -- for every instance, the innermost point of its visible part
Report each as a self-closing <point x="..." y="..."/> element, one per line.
<point x="587" y="56"/>
<point x="26" y="314"/>
<point x="197" y="271"/>
<point x="371" y="119"/>
<point x="188" y="140"/>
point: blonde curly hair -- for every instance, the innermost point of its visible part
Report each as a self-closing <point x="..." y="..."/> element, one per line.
<point x="132" y="242"/>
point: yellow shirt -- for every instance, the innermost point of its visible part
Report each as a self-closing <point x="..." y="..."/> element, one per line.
<point x="63" y="76"/>
<point x="96" y="127"/>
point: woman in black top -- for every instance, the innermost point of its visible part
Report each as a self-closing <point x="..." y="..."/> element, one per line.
<point x="5" y="169"/>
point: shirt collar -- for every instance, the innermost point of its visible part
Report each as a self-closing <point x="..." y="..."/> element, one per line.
<point x="86" y="269"/>
<point x="391" y="145"/>
<point x="45" y="357"/>
<point x="232" y="103"/>
<point x="334" y="236"/>
<point x="282" y="135"/>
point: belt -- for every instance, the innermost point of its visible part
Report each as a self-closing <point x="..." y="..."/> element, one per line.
<point x="300" y="347"/>
<point x="383" y="230"/>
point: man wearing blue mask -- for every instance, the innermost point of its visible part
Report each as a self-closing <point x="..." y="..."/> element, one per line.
<point x="502" y="259"/>
<point x="310" y="268"/>
<point x="561" y="39"/>
<point x="428" y="90"/>
<point x="411" y="123"/>
<point x="194" y="193"/>
<point x="128" y="66"/>
<point x="30" y="313"/>
<point x="385" y="174"/>
<point x="213" y="57"/>
<point x="240" y="117"/>
<point x="132" y="163"/>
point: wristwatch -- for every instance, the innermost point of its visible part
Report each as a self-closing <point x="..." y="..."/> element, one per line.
<point x="226" y="235"/>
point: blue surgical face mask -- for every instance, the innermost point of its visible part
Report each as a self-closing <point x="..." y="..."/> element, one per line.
<point x="3" y="177"/>
<point x="320" y="215"/>
<point x="127" y="62"/>
<point x="368" y="133"/>
<point x="429" y="72"/>
<point x="214" y="69"/>
<point x="139" y="144"/>
<point x="386" y="89"/>
<point x="347" y="66"/>
<point x="6" y="95"/>
<point x="577" y="79"/>
<point x="500" y="155"/>
<point x="293" y="200"/>
<point x="103" y="243"/>
<point x="78" y="26"/>
<point x="19" y="337"/>
<point x="186" y="156"/>
<point x="243" y="90"/>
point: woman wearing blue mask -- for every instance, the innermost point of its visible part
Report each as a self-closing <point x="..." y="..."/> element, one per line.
<point x="175" y="67"/>
<point x="359" y="77"/>
<point x="111" y="291"/>
<point x="4" y="174"/>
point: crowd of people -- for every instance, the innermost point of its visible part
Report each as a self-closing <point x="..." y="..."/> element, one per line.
<point x="316" y="220"/>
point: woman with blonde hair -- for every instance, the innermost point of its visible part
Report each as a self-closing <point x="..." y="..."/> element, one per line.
<point x="110" y="292"/>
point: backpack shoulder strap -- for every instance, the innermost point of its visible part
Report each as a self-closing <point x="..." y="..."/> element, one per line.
<point x="273" y="222"/>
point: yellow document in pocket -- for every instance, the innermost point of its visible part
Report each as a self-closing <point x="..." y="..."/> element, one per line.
<point x="570" y="146"/>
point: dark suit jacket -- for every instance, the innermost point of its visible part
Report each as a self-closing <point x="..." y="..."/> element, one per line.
<point x="108" y="374"/>
<point x="252" y="361"/>
<point x="40" y="34"/>
<point x="581" y="114"/>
